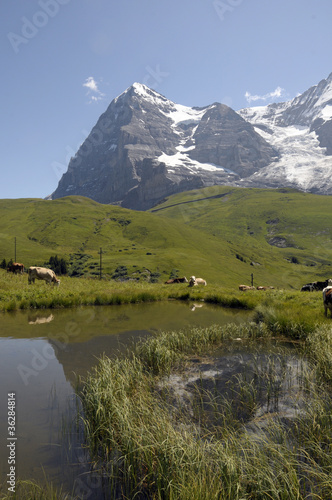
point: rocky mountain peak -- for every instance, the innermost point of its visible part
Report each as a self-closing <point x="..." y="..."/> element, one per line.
<point x="145" y="147"/>
<point x="301" y="131"/>
<point x="316" y="102"/>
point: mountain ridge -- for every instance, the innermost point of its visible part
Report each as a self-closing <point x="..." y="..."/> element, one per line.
<point x="145" y="147"/>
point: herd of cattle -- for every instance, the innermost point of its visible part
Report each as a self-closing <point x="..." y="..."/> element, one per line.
<point x="244" y="288"/>
<point x="326" y="288"/>
<point x="192" y="282"/>
<point x="49" y="276"/>
<point x="35" y="273"/>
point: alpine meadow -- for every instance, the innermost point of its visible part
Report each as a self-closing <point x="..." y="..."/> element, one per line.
<point x="133" y="430"/>
<point x="229" y="236"/>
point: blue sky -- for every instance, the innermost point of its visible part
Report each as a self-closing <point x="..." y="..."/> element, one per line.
<point x="65" y="60"/>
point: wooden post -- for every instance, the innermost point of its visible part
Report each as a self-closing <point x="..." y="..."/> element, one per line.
<point x="252" y="279"/>
<point x="100" y="265"/>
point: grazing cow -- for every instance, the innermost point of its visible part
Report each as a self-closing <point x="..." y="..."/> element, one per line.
<point x="244" y="288"/>
<point x="320" y="285"/>
<point x="176" y="280"/>
<point x="308" y="288"/>
<point x="327" y="299"/>
<point x="42" y="273"/>
<point x="15" y="268"/>
<point x="196" y="281"/>
<point x="316" y="286"/>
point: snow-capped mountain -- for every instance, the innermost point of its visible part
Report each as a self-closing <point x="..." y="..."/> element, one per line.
<point x="301" y="131"/>
<point x="146" y="147"/>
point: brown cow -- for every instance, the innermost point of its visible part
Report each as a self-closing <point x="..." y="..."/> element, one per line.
<point x="15" y="268"/>
<point x="176" y="280"/>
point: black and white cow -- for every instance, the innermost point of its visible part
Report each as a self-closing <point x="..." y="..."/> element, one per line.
<point x="327" y="299"/>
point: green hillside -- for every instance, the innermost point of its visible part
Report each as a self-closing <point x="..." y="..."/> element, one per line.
<point x="281" y="236"/>
<point x="79" y="227"/>
<point x="223" y="234"/>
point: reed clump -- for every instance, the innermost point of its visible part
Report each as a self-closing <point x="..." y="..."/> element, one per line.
<point x="153" y="444"/>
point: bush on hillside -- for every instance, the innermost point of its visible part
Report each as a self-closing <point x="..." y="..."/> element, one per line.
<point x="77" y="264"/>
<point x="120" y="274"/>
<point x="58" y="265"/>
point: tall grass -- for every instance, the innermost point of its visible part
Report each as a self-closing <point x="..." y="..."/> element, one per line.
<point x="278" y="308"/>
<point x="30" y="490"/>
<point x="150" y="447"/>
<point x="16" y="293"/>
<point x="319" y="348"/>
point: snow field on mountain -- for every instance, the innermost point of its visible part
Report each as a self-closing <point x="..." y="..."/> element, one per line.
<point x="302" y="161"/>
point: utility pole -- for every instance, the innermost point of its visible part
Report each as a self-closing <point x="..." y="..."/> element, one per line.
<point x="100" y="265"/>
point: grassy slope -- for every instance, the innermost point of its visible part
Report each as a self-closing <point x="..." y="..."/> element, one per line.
<point x="216" y="233"/>
<point x="137" y="240"/>
<point x="246" y="219"/>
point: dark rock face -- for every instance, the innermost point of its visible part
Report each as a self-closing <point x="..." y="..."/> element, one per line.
<point x="109" y="162"/>
<point x="224" y="138"/>
<point x="145" y="147"/>
<point x="323" y="130"/>
<point x="155" y="186"/>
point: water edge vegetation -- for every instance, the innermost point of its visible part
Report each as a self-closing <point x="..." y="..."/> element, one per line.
<point x="148" y="447"/>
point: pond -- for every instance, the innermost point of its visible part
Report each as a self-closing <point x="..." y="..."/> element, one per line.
<point x="42" y="354"/>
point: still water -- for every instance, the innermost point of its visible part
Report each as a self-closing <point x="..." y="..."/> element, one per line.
<point x="41" y="356"/>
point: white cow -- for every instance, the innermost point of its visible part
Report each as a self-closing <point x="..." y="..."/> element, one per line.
<point x="42" y="273"/>
<point x="196" y="281"/>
